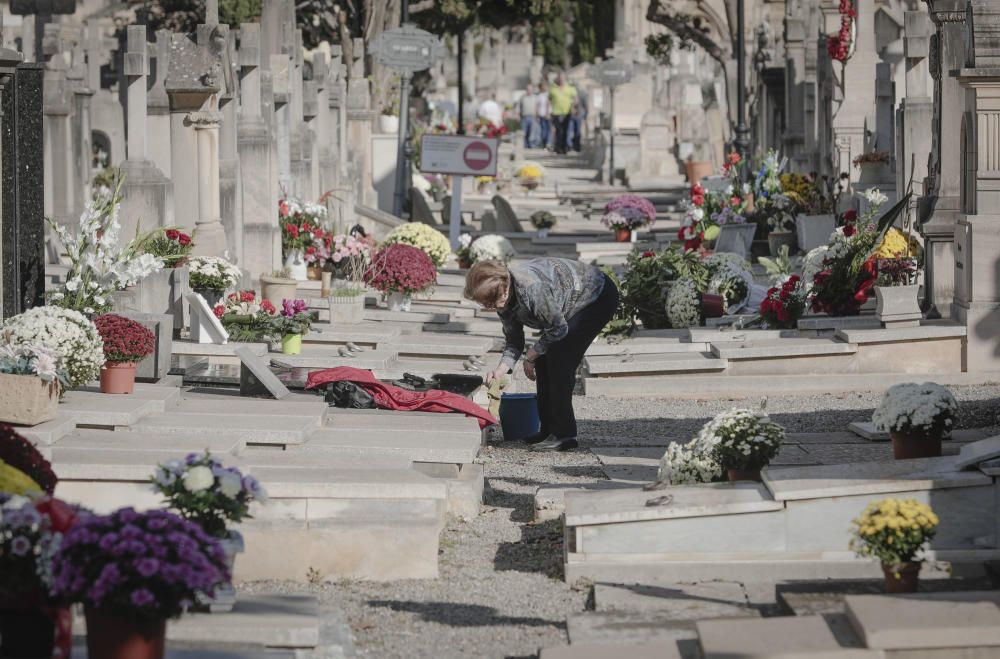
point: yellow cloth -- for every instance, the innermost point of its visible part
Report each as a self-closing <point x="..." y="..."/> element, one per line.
<point x="562" y="98"/>
<point x="494" y="393"/>
<point x="15" y="481"/>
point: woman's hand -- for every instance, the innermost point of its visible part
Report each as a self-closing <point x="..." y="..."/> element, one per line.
<point x="529" y="370"/>
<point x="499" y="373"/>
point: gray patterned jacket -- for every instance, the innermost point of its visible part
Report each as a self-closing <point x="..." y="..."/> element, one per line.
<point x="546" y="292"/>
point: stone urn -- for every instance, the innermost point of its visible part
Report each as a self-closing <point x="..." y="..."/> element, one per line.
<point x="27" y="400"/>
<point x="388" y="123"/>
<point x="898" y="306"/>
<point x="346" y="309"/>
<point x="277" y="289"/>
<point x="398" y="301"/>
<point x="225" y="595"/>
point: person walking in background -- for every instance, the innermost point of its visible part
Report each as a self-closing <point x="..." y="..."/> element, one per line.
<point x="562" y="96"/>
<point x="543" y="110"/>
<point x="528" y="108"/>
<point x="570" y="302"/>
<point x="577" y="120"/>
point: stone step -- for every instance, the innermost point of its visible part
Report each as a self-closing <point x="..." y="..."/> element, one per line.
<point x="106" y="410"/>
<point x="927" y="621"/>
<point x="276" y="621"/>
<point x="228" y="403"/>
<point x="101" y="463"/>
<point x="49" y="432"/>
<point x="167" y="395"/>
<point x="252" y="429"/>
<point x="645" y="347"/>
<point x="323" y="358"/>
<point x="728" y="335"/>
<point x="443" y="447"/>
<point x="337" y="483"/>
<point x="348" y="419"/>
<point x="630" y="627"/>
<point x="181" y="444"/>
<point x="686" y="362"/>
<point x="427" y="368"/>
<point x="363" y="334"/>
<point x="781" y="348"/>
<point x="407" y="317"/>
<point x="296" y="458"/>
<point x="926" y="332"/>
<point x="765" y="637"/>
<point x="193" y="348"/>
<point x="612" y="650"/>
<point x="681" y="601"/>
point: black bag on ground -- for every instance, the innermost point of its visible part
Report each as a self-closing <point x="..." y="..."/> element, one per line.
<point x="349" y="395"/>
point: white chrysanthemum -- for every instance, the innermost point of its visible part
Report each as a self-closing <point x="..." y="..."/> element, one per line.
<point x="683" y="304"/>
<point x="686" y="464"/>
<point x="230" y="484"/>
<point x="425" y="238"/>
<point x="198" y="479"/>
<point x="491" y="247"/>
<point x="68" y="335"/>
<point x="912" y="408"/>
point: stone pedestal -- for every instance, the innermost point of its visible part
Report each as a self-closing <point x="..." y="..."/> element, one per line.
<point x="657" y="162"/>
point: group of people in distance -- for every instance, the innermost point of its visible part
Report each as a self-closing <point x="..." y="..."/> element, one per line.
<point x="552" y="116"/>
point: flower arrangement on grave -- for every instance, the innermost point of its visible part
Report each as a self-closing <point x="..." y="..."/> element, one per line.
<point x="729" y="276"/>
<point x="684" y="304"/>
<point x="126" y="343"/>
<point x="212" y="275"/>
<point x="841" y="45"/>
<point x="543" y="220"/>
<point x="398" y="271"/>
<point x="486" y="128"/>
<point x="808" y="194"/>
<point x="896" y="271"/>
<point x="201" y="489"/>
<point x="246" y="318"/>
<point x="784" y="304"/>
<point x="688" y="464"/>
<point x="849" y="271"/>
<point x="31" y="532"/>
<point x="99" y="264"/>
<point x="705" y="211"/>
<point x="17" y="453"/>
<point x="34" y="381"/>
<point x="171" y="562"/>
<point x="917" y="417"/>
<point x="871" y="158"/>
<point x="483" y="183"/>
<point x="626" y="213"/>
<point x="743" y="442"/>
<point x="894" y="531"/>
<point x="170" y="244"/>
<point x="347" y="258"/>
<point x="65" y="333"/>
<point x="530" y="175"/>
<point x="462" y="253"/>
<point x="425" y="238"/>
<point x="491" y="247"/>
<point x="897" y="244"/>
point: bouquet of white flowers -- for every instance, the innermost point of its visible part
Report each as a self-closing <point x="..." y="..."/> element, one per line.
<point x="685" y="464"/>
<point x="99" y="266"/>
<point x="213" y="273"/>
<point x="926" y="409"/>
<point x="684" y="304"/>
<point x="491" y="248"/>
<point x="65" y="333"/>
<point x="743" y="439"/>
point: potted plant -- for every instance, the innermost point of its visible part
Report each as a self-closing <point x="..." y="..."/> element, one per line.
<point x="388" y="119"/>
<point x="699" y="163"/>
<point x="530" y="175"/>
<point x="896" y="292"/>
<point x="398" y="271"/>
<point x="784" y="304"/>
<point x="543" y="221"/>
<point x="491" y="247"/>
<point x="743" y="442"/>
<point x="278" y="286"/>
<point x="874" y="166"/>
<point x="127" y="603"/>
<point x="916" y="416"/>
<point x="626" y="213"/>
<point x="486" y="185"/>
<point x="462" y="253"/>
<point x="65" y="333"/>
<point x="424" y="237"/>
<point x="301" y="228"/>
<point x="211" y="276"/>
<point x="31" y="380"/>
<point x="31" y="624"/>
<point x="246" y="318"/>
<point x="348" y="258"/>
<point x="34" y="471"/>
<point x="200" y="489"/>
<point x="290" y="324"/>
<point x="894" y="531"/>
<point x="126" y="343"/>
<point x="170" y="244"/>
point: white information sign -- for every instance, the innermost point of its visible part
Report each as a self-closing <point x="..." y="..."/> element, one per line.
<point x="459" y="155"/>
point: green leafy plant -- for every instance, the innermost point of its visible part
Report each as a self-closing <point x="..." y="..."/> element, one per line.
<point x="781" y="266"/>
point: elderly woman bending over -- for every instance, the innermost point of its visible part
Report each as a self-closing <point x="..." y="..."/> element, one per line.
<point x="569" y="303"/>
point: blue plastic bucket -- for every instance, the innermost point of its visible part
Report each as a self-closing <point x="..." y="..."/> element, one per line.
<point x="519" y="415"/>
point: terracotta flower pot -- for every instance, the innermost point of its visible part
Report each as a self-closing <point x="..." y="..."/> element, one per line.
<point x="712" y="306"/>
<point x="291" y="344"/>
<point x="464" y="264"/>
<point x="110" y="636"/>
<point x="901" y="578"/>
<point x="623" y="235"/>
<point x="276" y="289"/>
<point x="910" y="447"/>
<point x="735" y="475"/>
<point x="31" y="629"/>
<point x="314" y="273"/>
<point x="697" y="170"/>
<point x="118" y="377"/>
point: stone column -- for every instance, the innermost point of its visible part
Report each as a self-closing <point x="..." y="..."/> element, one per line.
<point x="941" y="200"/>
<point x="854" y="94"/>
<point x="795" y="83"/>
<point x="144" y="194"/>
<point x="210" y="232"/>
<point x="158" y="107"/>
<point x="280" y="83"/>
<point x="916" y="110"/>
<point x="360" y="118"/>
<point x="56" y="138"/>
<point x="261" y="238"/>
<point x="299" y="133"/>
<point x="231" y="206"/>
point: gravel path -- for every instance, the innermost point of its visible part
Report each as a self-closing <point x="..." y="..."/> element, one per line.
<point x="501" y="592"/>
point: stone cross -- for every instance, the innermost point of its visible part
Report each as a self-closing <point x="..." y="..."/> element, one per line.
<point x="95" y="45"/>
<point x="249" y="61"/>
<point x="211" y="12"/>
<point x="42" y="11"/>
<point x="885" y="98"/>
<point x="136" y="70"/>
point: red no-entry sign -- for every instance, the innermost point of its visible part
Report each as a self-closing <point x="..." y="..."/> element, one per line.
<point x="460" y="155"/>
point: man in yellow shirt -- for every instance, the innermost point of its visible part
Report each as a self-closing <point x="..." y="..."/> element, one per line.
<point x="562" y="95"/>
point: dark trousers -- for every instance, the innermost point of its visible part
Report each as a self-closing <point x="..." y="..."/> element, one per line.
<point x="555" y="371"/>
<point x="562" y="128"/>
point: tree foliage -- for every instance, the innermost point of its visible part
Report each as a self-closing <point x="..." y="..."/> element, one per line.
<point x="456" y="16"/>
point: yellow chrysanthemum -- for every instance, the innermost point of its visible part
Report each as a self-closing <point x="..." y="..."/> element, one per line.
<point x="896" y="244"/>
<point x="530" y="171"/>
<point x="15" y="481"/>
